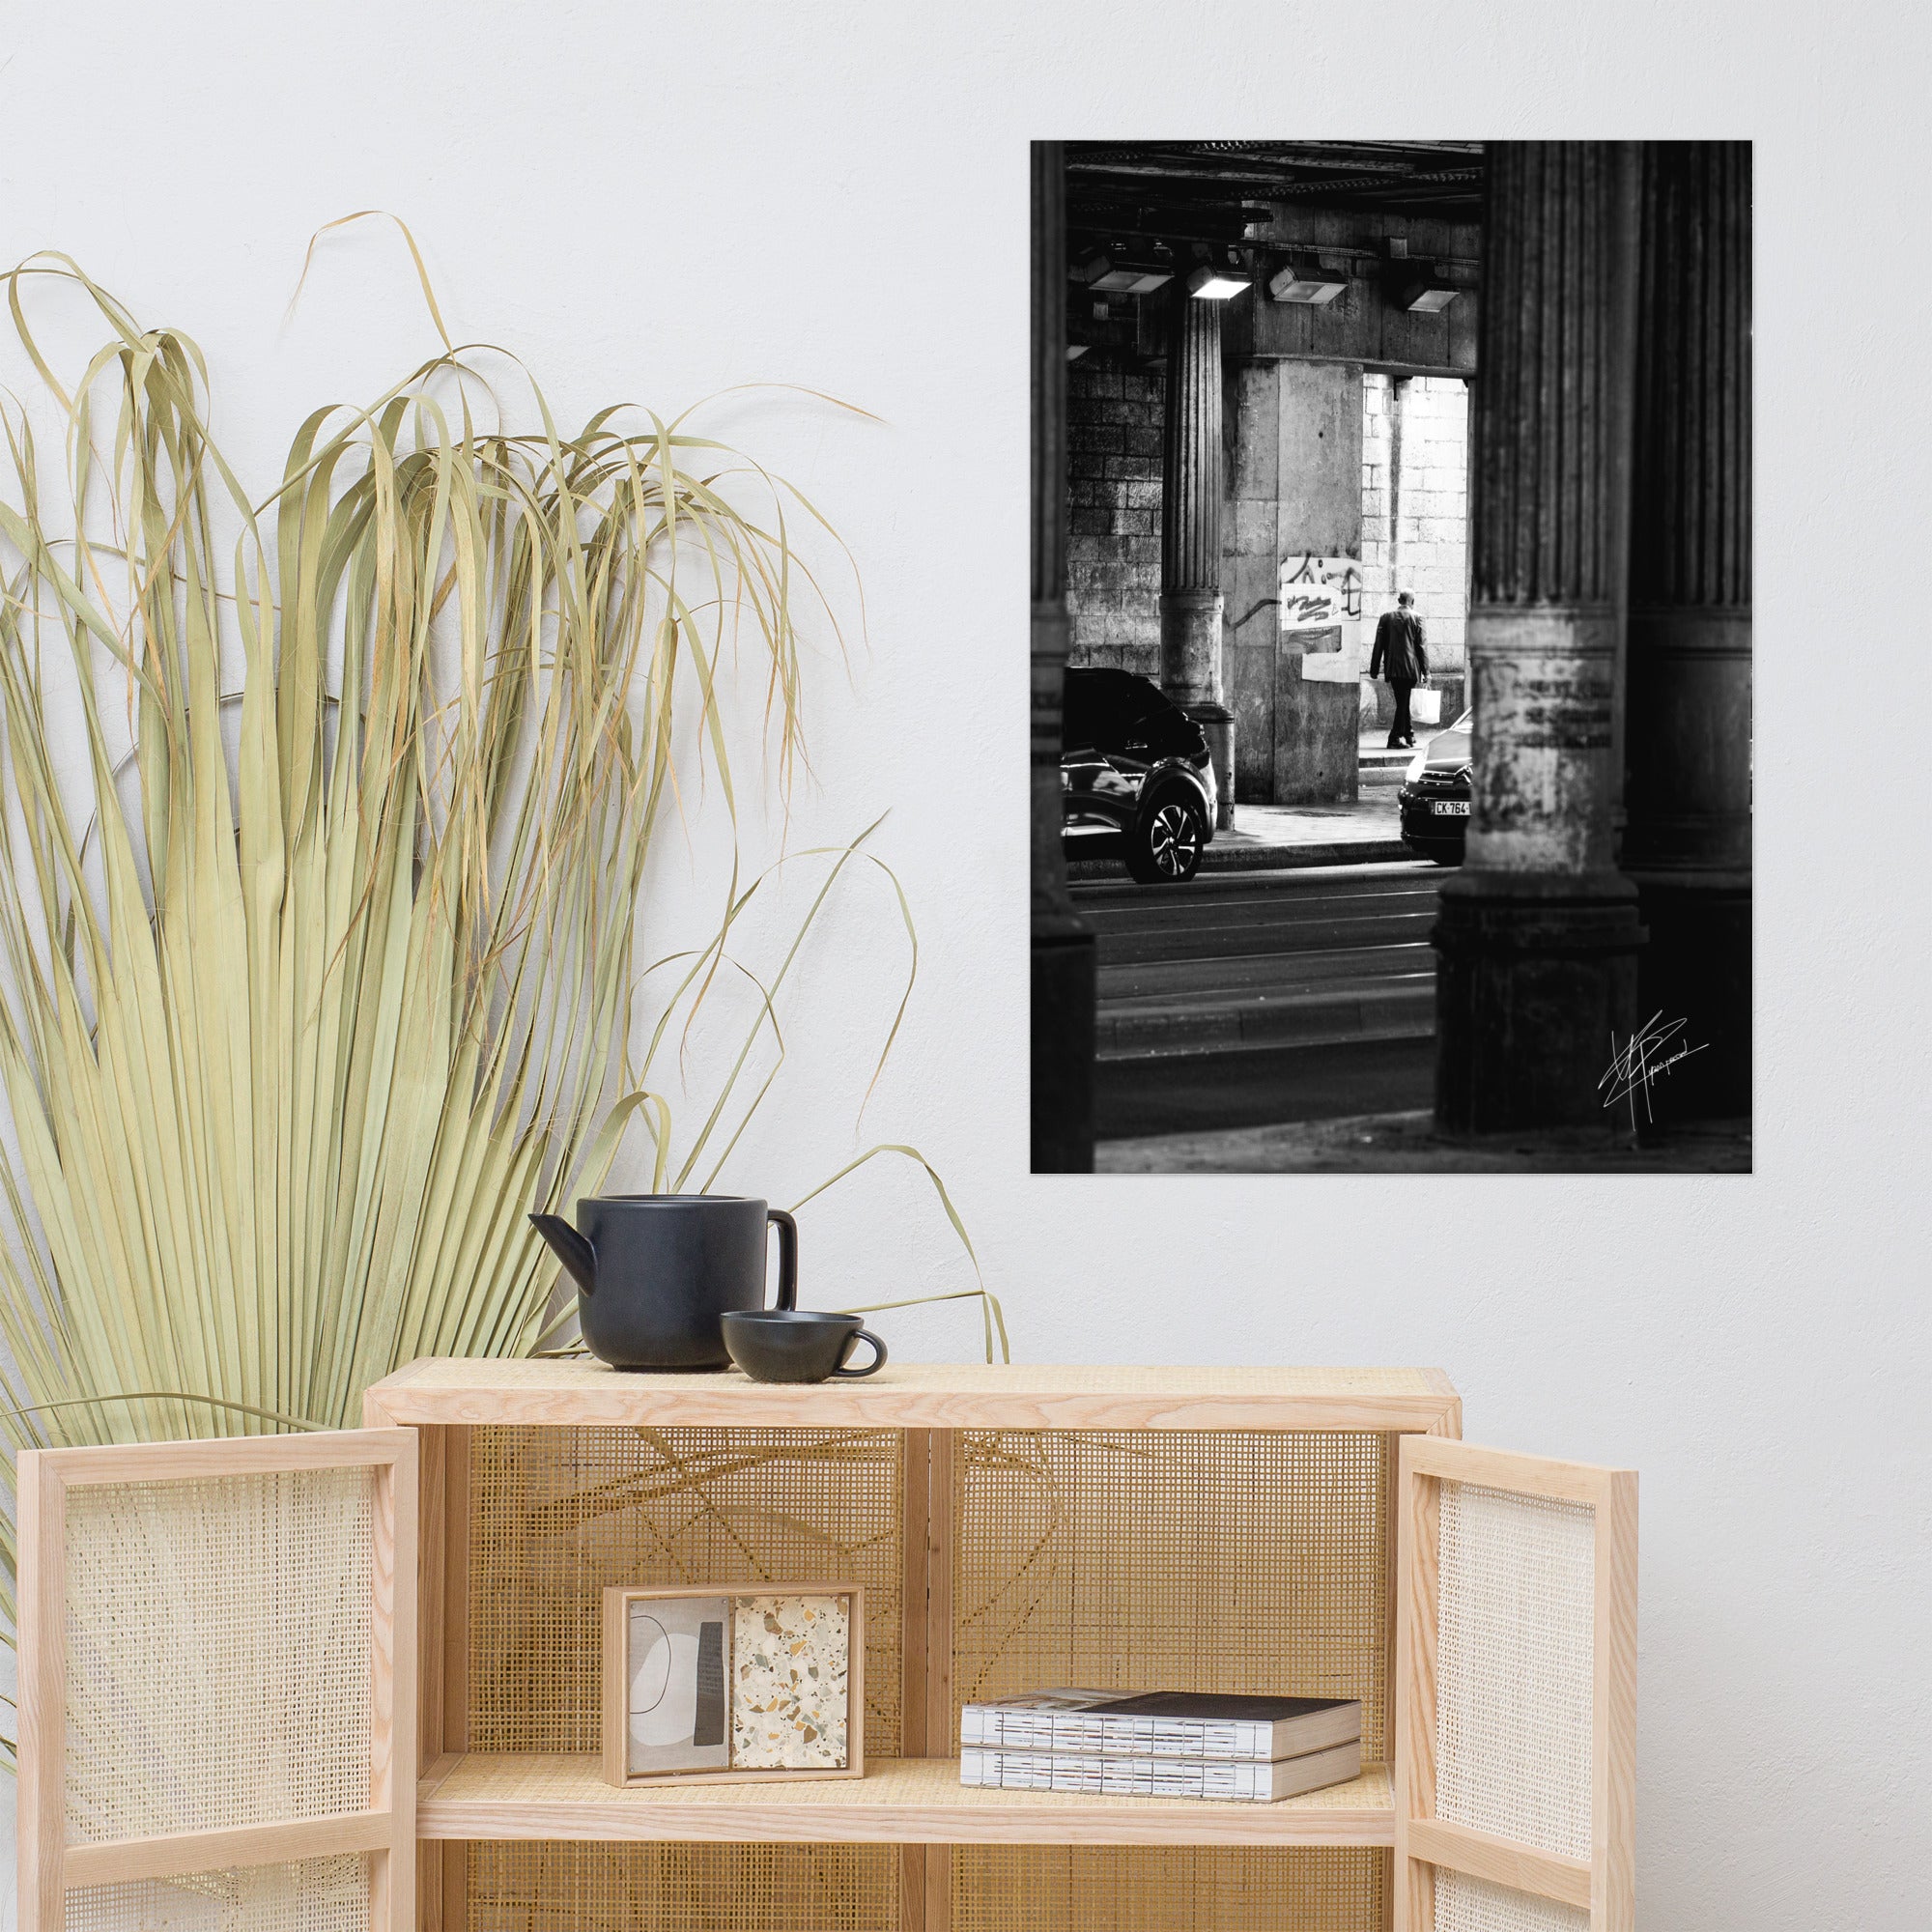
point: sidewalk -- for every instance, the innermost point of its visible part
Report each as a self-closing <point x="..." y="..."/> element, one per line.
<point x="1272" y="837"/>
<point x="1365" y="833"/>
<point x="1408" y="1144"/>
<point x="1310" y="835"/>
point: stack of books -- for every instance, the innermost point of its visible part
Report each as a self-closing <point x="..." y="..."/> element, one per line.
<point x="1164" y="1744"/>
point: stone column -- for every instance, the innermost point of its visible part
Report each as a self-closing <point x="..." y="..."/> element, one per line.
<point x="1061" y="945"/>
<point x="1538" y="933"/>
<point x="1191" y="531"/>
<point x="1688" y="733"/>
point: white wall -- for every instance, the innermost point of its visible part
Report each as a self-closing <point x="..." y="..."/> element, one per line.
<point x="656" y="202"/>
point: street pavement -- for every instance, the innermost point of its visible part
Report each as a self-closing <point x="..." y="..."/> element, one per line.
<point x="1251" y="998"/>
<point x="1408" y="1143"/>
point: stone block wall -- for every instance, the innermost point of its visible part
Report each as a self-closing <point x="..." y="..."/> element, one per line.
<point x="1415" y="505"/>
<point x="1377" y="494"/>
<point x="1113" y="527"/>
<point x="1432" y="534"/>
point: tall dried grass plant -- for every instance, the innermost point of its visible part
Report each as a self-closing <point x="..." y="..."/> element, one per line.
<point x="321" y="973"/>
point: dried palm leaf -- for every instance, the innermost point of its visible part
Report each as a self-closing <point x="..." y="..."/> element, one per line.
<point x="294" y="1031"/>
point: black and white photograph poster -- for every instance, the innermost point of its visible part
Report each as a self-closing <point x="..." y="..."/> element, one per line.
<point x="1391" y="663"/>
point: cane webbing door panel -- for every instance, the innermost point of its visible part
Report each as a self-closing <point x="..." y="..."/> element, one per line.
<point x="217" y="1685"/>
<point x="1516" y="1692"/>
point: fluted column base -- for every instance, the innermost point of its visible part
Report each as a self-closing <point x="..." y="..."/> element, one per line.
<point x="1542" y="682"/>
<point x="1190" y="674"/>
<point x="1217" y="726"/>
<point x="1535" y="971"/>
<point x="1190" y="646"/>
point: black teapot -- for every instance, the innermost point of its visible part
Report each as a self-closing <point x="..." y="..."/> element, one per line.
<point x="655" y="1272"/>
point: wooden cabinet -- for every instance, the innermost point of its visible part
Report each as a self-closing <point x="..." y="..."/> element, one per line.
<point x="1317" y="1531"/>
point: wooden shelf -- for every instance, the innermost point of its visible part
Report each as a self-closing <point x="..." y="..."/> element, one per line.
<point x="580" y="1392"/>
<point x="898" y="1801"/>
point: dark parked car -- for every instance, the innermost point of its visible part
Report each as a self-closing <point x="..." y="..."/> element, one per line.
<point x="1135" y="777"/>
<point x="1435" y="796"/>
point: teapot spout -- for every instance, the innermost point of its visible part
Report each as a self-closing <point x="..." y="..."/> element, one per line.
<point x="570" y="1248"/>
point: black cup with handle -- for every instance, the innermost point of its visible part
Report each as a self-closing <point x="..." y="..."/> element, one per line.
<point x="797" y="1345"/>
<point x="656" y="1273"/>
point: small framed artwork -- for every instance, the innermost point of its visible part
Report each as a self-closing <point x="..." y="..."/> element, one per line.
<point x="764" y="1684"/>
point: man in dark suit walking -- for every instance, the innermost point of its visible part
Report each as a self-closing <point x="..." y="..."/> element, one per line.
<point x="1401" y="654"/>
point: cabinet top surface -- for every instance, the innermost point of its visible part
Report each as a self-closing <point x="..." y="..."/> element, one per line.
<point x="922" y="1396"/>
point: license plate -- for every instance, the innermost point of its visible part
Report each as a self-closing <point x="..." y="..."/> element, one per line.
<point x="1450" y="808"/>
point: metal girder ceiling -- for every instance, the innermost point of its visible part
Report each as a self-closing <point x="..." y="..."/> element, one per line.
<point x="1206" y="190"/>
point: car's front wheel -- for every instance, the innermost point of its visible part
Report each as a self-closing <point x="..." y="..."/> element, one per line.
<point x="1165" y="848"/>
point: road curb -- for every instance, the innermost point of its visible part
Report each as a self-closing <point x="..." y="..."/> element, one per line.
<point x="1264" y="858"/>
<point x="1283" y="858"/>
<point x="1314" y="1020"/>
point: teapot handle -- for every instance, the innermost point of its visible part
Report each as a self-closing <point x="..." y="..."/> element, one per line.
<point x="787" y="1257"/>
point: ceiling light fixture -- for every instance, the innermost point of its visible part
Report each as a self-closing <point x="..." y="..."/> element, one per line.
<point x="1419" y="286"/>
<point x="1306" y="281"/>
<point x="1107" y="277"/>
<point x="1211" y="284"/>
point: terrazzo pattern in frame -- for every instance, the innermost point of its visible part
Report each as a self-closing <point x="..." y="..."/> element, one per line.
<point x="790" y="1683"/>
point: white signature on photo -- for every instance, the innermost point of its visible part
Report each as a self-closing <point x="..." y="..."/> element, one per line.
<point x="1653" y="1050"/>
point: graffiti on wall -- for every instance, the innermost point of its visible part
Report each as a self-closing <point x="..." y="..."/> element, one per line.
<point x="1318" y="592"/>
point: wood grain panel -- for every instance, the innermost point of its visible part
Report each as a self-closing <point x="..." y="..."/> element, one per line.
<point x="180" y="1852"/>
<point x="1614" y="1769"/>
<point x="1500" y="1860"/>
<point x="42" y="1647"/>
<point x="929" y="1396"/>
<point x="899" y="1800"/>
